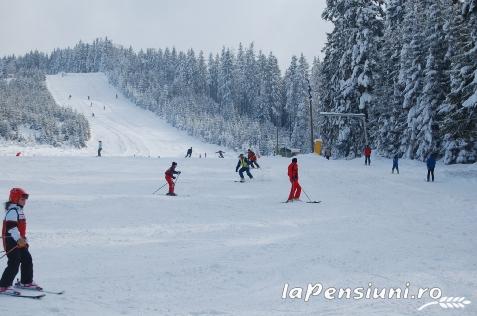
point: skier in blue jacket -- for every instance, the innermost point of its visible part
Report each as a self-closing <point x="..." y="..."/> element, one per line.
<point x="431" y="164"/>
<point x="395" y="163"/>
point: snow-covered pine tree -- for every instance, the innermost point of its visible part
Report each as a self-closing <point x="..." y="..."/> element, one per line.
<point x="213" y="66"/>
<point x="316" y="85"/>
<point x="350" y="70"/>
<point x="410" y="82"/>
<point x="389" y="101"/>
<point x="291" y="94"/>
<point x="301" y="128"/>
<point x="435" y="83"/>
<point x="226" y="84"/>
<point x="458" y="114"/>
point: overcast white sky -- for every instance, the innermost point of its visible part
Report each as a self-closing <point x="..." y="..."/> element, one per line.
<point x="285" y="27"/>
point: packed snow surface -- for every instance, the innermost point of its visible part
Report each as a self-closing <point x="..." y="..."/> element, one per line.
<point x="227" y="248"/>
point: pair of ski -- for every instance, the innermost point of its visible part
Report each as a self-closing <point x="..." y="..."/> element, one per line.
<point x="37" y="292"/>
<point x="314" y="202"/>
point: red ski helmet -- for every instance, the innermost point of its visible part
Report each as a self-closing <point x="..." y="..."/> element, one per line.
<point x="16" y="194"/>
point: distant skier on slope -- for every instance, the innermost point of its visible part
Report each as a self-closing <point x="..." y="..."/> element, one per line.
<point x="367" y="155"/>
<point x="243" y="164"/>
<point x="170" y="176"/>
<point x="327" y="153"/>
<point x="15" y="243"/>
<point x="221" y="153"/>
<point x="293" y="176"/>
<point x="189" y="153"/>
<point x="252" y="158"/>
<point x="395" y="163"/>
<point x="100" y="148"/>
<point x="431" y="164"/>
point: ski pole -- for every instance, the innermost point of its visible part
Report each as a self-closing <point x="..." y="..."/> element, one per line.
<point x="6" y="254"/>
<point x="306" y="195"/>
<point x="159" y="188"/>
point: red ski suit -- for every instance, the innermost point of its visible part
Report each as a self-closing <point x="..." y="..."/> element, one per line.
<point x="293" y="175"/>
<point x="169" y="178"/>
<point x="367" y="151"/>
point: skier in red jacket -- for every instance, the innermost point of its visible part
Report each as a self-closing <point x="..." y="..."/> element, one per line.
<point x="293" y="175"/>
<point x="367" y="155"/>
<point x="170" y="176"/>
<point x="15" y="244"/>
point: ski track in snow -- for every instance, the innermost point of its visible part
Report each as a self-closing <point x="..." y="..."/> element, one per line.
<point x="225" y="248"/>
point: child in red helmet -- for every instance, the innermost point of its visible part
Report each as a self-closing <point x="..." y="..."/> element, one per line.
<point x="15" y="243"/>
<point x="170" y="176"/>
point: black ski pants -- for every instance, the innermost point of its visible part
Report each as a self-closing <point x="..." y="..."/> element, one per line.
<point x="16" y="258"/>
<point x="430" y="171"/>
<point x="247" y="170"/>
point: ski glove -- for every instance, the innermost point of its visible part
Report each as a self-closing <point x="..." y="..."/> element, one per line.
<point x="22" y="243"/>
<point x="178" y="172"/>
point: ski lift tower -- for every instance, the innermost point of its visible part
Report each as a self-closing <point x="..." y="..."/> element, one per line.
<point x="352" y="115"/>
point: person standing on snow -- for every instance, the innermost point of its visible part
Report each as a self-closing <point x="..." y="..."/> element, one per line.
<point x="221" y="153"/>
<point x="243" y="164"/>
<point x="367" y="155"/>
<point x="252" y="158"/>
<point x="100" y="148"/>
<point x="431" y="164"/>
<point x="189" y="153"/>
<point x="15" y="243"/>
<point x="396" y="163"/>
<point x="170" y="177"/>
<point x="293" y="176"/>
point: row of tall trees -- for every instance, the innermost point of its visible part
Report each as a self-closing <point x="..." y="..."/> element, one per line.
<point x="238" y="98"/>
<point x="411" y="68"/>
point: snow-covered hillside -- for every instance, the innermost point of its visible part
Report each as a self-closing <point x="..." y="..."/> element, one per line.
<point x="226" y="248"/>
<point x="124" y="128"/>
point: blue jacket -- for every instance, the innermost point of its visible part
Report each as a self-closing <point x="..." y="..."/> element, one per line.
<point x="431" y="163"/>
<point x="395" y="161"/>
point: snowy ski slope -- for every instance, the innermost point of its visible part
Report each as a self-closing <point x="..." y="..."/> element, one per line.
<point x="227" y="248"/>
<point x="124" y="128"/>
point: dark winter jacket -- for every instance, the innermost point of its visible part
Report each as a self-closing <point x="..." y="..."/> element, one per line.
<point x="395" y="160"/>
<point x="431" y="163"/>
<point x="243" y="162"/>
